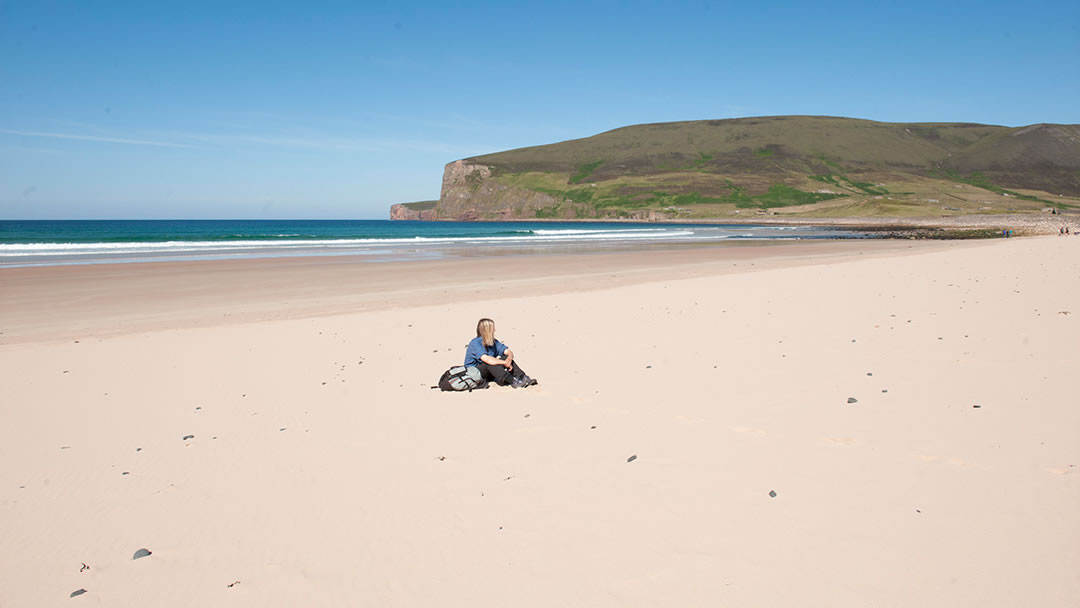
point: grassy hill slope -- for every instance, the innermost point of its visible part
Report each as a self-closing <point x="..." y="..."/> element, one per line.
<point x="815" y="166"/>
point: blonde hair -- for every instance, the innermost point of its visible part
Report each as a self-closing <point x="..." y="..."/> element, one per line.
<point x="485" y="330"/>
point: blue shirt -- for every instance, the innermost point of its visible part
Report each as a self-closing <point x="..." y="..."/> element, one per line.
<point x="477" y="349"/>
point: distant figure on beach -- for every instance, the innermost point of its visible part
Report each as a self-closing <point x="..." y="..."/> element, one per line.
<point x="495" y="360"/>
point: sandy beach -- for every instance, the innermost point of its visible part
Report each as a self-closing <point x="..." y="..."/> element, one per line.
<point x="865" y="423"/>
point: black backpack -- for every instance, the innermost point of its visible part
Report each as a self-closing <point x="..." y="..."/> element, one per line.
<point x="462" y="378"/>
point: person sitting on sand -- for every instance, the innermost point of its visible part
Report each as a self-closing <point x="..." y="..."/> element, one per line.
<point x="494" y="359"/>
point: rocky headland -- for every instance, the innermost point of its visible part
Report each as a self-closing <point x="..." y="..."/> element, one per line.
<point x="791" y="168"/>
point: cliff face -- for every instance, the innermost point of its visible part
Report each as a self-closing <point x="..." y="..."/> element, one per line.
<point x="422" y="210"/>
<point x="402" y="211"/>
<point x="469" y="193"/>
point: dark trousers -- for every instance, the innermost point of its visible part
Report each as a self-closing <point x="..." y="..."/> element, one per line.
<point x="499" y="374"/>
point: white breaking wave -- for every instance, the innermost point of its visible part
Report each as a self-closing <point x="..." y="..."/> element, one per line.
<point x="76" y="249"/>
<point x="587" y="231"/>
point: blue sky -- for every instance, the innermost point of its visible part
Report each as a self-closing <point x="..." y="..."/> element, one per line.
<point x="337" y="110"/>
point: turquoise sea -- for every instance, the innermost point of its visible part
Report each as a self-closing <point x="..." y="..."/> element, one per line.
<point x="56" y="242"/>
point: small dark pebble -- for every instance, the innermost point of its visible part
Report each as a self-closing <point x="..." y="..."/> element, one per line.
<point x="772" y="493"/>
<point x="233" y="584"/>
<point x="527" y="415"/>
<point x="976" y="406"/>
<point x="186" y="437"/>
<point x="138" y="449"/>
<point x="632" y="458"/>
<point x="126" y="473"/>
<point x="141" y="553"/>
<point x="918" y="511"/>
<point x="852" y="400"/>
<point x="283" y="428"/>
<point x="884" y="390"/>
<point x="77" y="592"/>
<point x="65" y="371"/>
<point x="592" y="427"/>
<point x="869" y="373"/>
<point x="648" y="367"/>
<point x="440" y="458"/>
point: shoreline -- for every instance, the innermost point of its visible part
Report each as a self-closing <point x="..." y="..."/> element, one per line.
<point x="371" y="240"/>
<point x="67" y="301"/>
<point x="382" y="245"/>
<point x="952" y="227"/>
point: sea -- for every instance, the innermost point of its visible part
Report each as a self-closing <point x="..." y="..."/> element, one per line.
<point x="65" y="242"/>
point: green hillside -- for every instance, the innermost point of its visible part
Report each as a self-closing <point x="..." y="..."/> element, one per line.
<point x="816" y="166"/>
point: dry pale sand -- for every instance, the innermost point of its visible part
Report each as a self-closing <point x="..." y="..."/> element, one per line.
<point x="323" y="471"/>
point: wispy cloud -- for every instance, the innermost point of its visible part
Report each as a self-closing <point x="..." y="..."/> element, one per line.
<point x="230" y="138"/>
<point x="111" y="140"/>
<point x="319" y="141"/>
<point x="357" y="119"/>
